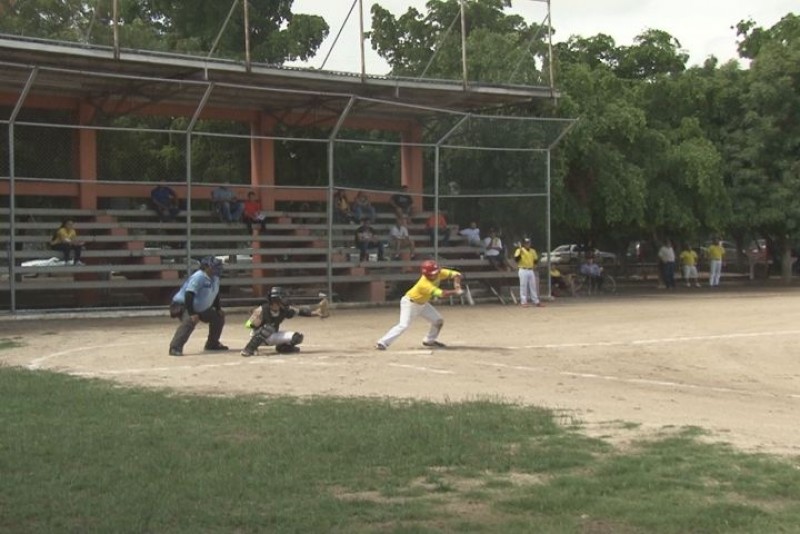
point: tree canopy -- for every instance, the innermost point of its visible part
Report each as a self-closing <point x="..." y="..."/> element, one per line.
<point x="277" y="35"/>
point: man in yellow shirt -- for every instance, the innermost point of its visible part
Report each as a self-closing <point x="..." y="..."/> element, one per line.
<point x="715" y="254"/>
<point x="527" y="258"/>
<point x="416" y="301"/>
<point x="688" y="259"/>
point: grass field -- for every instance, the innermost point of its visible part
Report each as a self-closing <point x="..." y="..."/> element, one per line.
<point x="82" y="455"/>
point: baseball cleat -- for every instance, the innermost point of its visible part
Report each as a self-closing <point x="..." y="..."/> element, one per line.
<point x="246" y="353"/>
<point x="380" y="346"/>
<point x="216" y="346"/>
<point x="434" y="344"/>
<point x="175" y="352"/>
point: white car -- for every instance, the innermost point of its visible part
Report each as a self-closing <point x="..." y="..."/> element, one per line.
<point x="573" y="253"/>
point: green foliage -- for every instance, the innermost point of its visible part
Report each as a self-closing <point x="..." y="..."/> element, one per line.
<point x="276" y="34"/>
<point x="413" y="42"/>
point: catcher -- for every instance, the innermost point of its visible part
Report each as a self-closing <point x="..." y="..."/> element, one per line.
<point x="417" y="302"/>
<point x="266" y="319"/>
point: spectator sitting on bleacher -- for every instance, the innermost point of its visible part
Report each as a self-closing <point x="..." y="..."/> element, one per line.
<point x="495" y="252"/>
<point x="226" y="205"/>
<point x="341" y="208"/>
<point x="253" y="213"/>
<point x="165" y="202"/>
<point x="363" y="208"/>
<point x="437" y="227"/>
<point x="366" y="238"/>
<point x="400" y="237"/>
<point x="65" y="240"/>
<point x="472" y="234"/>
<point x="402" y="202"/>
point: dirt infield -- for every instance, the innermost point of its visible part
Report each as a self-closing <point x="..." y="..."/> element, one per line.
<point x="725" y="360"/>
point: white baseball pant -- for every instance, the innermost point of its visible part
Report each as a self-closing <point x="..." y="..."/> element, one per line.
<point x="528" y="286"/>
<point x="409" y="310"/>
<point x="715" y="271"/>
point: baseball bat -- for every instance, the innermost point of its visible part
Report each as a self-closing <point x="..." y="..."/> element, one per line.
<point x="470" y="301"/>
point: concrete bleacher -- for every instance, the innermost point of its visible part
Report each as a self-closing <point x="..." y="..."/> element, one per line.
<point x="130" y="252"/>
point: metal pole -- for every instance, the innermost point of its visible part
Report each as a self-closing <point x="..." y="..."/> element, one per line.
<point x="361" y="38"/>
<point x="331" y="185"/>
<point x="464" y="45"/>
<point x="189" y="129"/>
<point x="436" y="202"/>
<point x="547" y="226"/>
<point x="115" y="16"/>
<point x="550" y="51"/>
<point x="245" y="4"/>
<point x="12" y="191"/>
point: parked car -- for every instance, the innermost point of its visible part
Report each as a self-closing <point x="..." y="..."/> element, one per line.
<point x="577" y="253"/>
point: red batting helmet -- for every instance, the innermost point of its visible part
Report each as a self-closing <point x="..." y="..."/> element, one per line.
<point x="430" y="269"/>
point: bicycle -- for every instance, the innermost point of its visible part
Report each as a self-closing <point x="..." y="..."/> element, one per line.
<point x="582" y="286"/>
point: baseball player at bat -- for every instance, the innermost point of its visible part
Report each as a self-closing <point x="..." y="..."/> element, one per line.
<point x="416" y="301"/>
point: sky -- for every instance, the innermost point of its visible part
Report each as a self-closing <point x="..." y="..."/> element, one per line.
<point x="703" y="27"/>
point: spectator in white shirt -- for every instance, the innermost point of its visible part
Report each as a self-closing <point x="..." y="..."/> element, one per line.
<point x="473" y="234"/>
<point x="400" y="238"/>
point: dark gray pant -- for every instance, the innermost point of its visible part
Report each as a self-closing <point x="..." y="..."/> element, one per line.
<point x="212" y="316"/>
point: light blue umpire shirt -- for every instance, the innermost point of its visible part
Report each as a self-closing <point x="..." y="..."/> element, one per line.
<point x="204" y="287"/>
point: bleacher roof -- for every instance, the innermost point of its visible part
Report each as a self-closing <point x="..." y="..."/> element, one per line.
<point x="92" y="72"/>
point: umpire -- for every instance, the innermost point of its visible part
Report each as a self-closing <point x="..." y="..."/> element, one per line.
<point x="198" y="300"/>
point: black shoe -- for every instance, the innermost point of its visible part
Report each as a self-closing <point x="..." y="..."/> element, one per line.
<point x="175" y="352"/>
<point x="434" y="344"/>
<point x="217" y="346"/>
<point x="287" y="349"/>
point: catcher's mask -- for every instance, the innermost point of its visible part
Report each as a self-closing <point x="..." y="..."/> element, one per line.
<point x="276" y="294"/>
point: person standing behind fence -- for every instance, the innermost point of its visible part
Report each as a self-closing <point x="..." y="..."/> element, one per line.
<point x="198" y="300"/>
<point x="688" y="259"/>
<point x="715" y="255"/>
<point x="526" y="258"/>
<point x="666" y="255"/>
<point x="65" y="240"/>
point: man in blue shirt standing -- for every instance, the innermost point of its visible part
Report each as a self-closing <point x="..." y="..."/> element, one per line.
<point x="198" y="300"/>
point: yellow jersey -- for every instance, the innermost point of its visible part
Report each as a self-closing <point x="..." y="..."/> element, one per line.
<point x="688" y="257"/>
<point x="715" y="252"/>
<point x="526" y="258"/>
<point x="424" y="290"/>
<point x="64" y="235"/>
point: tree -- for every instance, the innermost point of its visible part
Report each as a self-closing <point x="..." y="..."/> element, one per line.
<point x="766" y="183"/>
<point x="413" y="42"/>
<point x="276" y="34"/>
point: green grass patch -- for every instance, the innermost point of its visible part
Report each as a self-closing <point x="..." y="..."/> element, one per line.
<point x="78" y="455"/>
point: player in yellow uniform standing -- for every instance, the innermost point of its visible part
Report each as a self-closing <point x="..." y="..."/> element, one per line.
<point x="526" y="258"/>
<point x="416" y="301"/>
<point x="689" y="266"/>
<point x="715" y="253"/>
